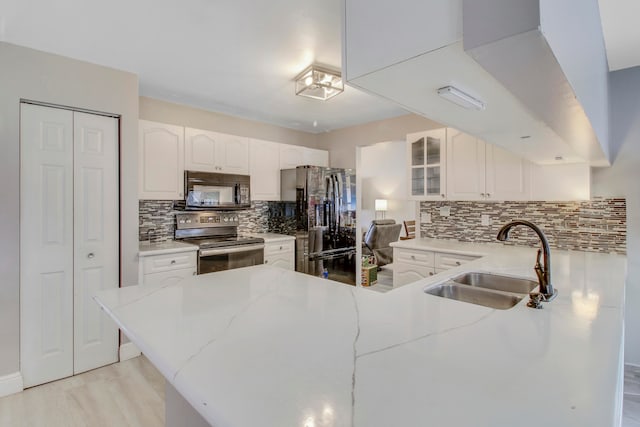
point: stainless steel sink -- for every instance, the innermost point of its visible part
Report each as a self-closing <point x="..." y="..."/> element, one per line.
<point x="500" y="301"/>
<point x="496" y="282"/>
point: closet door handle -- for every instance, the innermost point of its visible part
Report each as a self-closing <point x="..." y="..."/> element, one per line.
<point x="90" y="255"/>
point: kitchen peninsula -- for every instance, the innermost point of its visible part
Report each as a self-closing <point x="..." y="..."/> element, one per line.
<point x="271" y="347"/>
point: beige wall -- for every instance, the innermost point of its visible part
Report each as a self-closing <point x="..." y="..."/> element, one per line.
<point x="39" y="76"/>
<point x="182" y="115"/>
<point x="342" y="143"/>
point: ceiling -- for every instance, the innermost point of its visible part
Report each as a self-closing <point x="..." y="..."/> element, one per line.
<point x="621" y="32"/>
<point x="235" y="56"/>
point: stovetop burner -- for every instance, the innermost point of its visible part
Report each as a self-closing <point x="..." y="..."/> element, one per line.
<point x="223" y="241"/>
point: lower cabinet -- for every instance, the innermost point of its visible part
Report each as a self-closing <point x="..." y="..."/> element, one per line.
<point x="412" y="265"/>
<point x="167" y="268"/>
<point x="280" y="254"/>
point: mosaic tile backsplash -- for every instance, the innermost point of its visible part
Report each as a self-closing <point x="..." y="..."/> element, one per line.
<point x="598" y="225"/>
<point x="157" y="219"/>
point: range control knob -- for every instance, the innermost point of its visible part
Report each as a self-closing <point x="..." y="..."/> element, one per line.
<point x="235" y="218"/>
<point x="226" y="219"/>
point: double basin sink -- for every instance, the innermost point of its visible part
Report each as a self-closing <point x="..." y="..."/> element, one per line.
<point x="489" y="290"/>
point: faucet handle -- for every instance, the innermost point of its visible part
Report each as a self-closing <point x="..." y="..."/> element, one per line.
<point x="535" y="300"/>
<point x="538" y="264"/>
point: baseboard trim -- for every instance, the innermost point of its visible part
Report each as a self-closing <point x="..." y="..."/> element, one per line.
<point x="128" y="351"/>
<point x="11" y="384"/>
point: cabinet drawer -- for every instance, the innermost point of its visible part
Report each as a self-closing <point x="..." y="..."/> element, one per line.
<point x="446" y="261"/>
<point x="423" y="258"/>
<point x="168" y="277"/>
<point x="168" y="262"/>
<point x="284" y="260"/>
<point x="278" y="248"/>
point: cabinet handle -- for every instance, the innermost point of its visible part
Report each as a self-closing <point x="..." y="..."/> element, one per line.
<point x="280" y="247"/>
<point x="431" y="273"/>
<point x="90" y="255"/>
<point x="194" y="273"/>
<point x="482" y="194"/>
<point x="266" y="261"/>
<point x="458" y="263"/>
<point x="413" y="257"/>
<point x="488" y="195"/>
<point x="173" y="261"/>
<point x="442" y="196"/>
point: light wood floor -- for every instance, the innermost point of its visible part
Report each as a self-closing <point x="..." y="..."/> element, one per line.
<point x="127" y="394"/>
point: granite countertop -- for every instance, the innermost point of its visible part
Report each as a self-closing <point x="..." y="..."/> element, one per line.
<point x="272" y="347"/>
<point x="168" y="247"/>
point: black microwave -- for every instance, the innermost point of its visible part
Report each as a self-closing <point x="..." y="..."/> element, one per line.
<point x="206" y="190"/>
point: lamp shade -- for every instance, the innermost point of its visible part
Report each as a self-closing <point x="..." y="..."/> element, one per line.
<point x="381" y="205"/>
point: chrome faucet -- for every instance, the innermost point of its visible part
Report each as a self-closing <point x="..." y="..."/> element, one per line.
<point x="547" y="293"/>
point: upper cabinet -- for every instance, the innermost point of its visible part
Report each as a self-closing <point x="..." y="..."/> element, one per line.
<point x="292" y="156"/>
<point x="264" y="167"/>
<point x="315" y="157"/>
<point x="160" y="161"/>
<point x="208" y="151"/>
<point x="166" y="151"/>
<point x="427" y="164"/>
<point x="480" y="171"/>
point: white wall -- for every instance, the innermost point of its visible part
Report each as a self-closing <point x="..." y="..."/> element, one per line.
<point x="183" y="115"/>
<point x="623" y="179"/>
<point x="39" y="76"/>
<point x="383" y="174"/>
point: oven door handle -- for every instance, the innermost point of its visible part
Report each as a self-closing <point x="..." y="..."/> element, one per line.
<point x="232" y="250"/>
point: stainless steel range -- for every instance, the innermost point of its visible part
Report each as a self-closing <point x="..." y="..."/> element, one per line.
<point x="216" y="234"/>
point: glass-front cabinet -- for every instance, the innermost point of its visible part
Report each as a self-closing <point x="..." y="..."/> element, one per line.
<point x="427" y="164"/>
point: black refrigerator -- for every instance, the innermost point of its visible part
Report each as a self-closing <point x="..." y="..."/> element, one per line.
<point x="325" y="217"/>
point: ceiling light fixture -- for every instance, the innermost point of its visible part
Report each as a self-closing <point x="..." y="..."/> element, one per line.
<point x="319" y="83"/>
<point x="460" y="98"/>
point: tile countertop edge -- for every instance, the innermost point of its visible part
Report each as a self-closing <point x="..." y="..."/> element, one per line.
<point x="430" y="331"/>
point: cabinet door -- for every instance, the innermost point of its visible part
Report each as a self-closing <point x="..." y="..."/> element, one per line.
<point x="404" y="274"/>
<point x="315" y="157"/>
<point x="200" y="152"/>
<point x="508" y="175"/>
<point x="465" y="166"/>
<point x="264" y="168"/>
<point x="160" y="161"/>
<point x="291" y="156"/>
<point x="427" y="165"/>
<point x="233" y="154"/>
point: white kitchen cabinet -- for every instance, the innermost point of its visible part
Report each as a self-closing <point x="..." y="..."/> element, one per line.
<point x="474" y="170"/>
<point x="292" y="156"/>
<point x="208" y="151"/>
<point x="160" y="161"/>
<point x="466" y="166"/>
<point x="426" y="152"/>
<point x="280" y="254"/>
<point x="264" y="168"/>
<point x="315" y="157"/>
<point x="410" y="265"/>
<point x="508" y="175"/>
<point x="167" y="268"/>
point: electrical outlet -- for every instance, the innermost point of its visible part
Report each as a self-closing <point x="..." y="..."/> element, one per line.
<point x="485" y="220"/>
<point x="425" y="218"/>
<point x="445" y="210"/>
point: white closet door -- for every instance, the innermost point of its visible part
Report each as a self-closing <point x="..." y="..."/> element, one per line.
<point x="46" y="249"/>
<point x="96" y="227"/>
